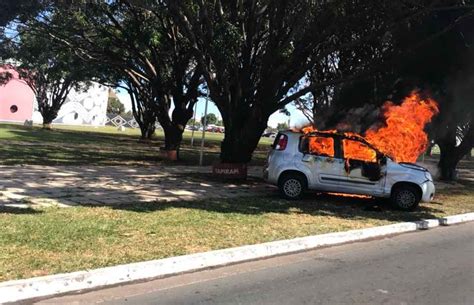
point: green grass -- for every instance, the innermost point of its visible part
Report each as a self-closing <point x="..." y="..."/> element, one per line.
<point x="75" y="145"/>
<point x="53" y="240"/>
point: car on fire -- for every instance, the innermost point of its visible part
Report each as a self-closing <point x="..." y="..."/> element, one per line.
<point x="343" y="163"/>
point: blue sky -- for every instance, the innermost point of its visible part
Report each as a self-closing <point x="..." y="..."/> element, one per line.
<point x="296" y="117"/>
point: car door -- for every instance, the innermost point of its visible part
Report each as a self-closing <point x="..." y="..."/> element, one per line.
<point x="363" y="171"/>
<point x="319" y="156"/>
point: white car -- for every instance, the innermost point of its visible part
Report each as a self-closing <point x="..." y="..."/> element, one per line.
<point x="317" y="161"/>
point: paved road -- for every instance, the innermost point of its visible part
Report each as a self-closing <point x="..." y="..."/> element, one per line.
<point x="429" y="267"/>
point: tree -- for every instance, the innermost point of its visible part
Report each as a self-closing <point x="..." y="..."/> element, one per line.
<point x="127" y="115"/>
<point x="437" y="50"/>
<point x="50" y="72"/>
<point x="114" y="106"/>
<point x="210" y="118"/>
<point x="12" y="9"/>
<point x="256" y="55"/>
<point x="194" y="123"/>
<point x="282" y="126"/>
<point x="144" y="55"/>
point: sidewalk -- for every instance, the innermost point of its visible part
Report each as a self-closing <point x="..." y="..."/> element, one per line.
<point x="23" y="186"/>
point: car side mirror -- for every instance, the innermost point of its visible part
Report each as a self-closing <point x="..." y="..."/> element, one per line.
<point x="383" y="160"/>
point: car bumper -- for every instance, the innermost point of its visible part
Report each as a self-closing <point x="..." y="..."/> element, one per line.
<point x="428" y="189"/>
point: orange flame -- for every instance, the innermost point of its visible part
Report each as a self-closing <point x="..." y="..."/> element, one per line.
<point x="358" y="151"/>
<point x="403" y="137"/>
<point x="321" y="146"/>
<point x="350" y="195"/>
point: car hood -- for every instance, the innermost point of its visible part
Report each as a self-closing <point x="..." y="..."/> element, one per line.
<point x="413" y="166"/>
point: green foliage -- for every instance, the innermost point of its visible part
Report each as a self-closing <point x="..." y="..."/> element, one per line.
<point x="114" y="106"/>
<point x="282" y="126"/>
<point x="193" y="122"/>
<point x="257" y="56"/>
<point x="50" y="71"/>
<point x="11" y="9"/>
<point x="127" y="115"/>
<point x="211" y="119"/>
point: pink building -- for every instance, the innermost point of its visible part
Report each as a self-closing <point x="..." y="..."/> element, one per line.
<point x="16" y="99"/>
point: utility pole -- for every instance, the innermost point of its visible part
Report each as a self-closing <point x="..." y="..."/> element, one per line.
<point x="201" y="153"/>
<point x="194" y="125"/>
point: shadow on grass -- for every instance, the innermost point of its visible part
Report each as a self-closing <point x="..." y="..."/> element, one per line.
<point x="71" y="147"/>
<point x="18" y="210"/>
<point x="316" y="205"/>
<point x="13" y="154"/>
<point x="94" y="185"/>
<point x="263" y="202"/>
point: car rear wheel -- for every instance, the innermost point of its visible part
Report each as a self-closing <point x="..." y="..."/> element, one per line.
<point x="406" y="198"/>
<point x="292" y="186"/>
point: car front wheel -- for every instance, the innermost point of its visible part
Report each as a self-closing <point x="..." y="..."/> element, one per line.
<point x="292" y="186"/>
<point x="406" y="198"/>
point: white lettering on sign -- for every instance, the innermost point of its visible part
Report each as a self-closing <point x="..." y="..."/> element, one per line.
<point x="227" y="171"/>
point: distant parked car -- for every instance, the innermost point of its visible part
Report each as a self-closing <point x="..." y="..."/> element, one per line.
<point x="190" y="127"/>
<point x="295" y="167"/>
<point x="215" y="128"/>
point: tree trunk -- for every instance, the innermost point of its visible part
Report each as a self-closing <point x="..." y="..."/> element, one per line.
<point x="147" y="129"/>
<point x="173" y="139"/>
<point x="242" y="135"/>
<point x="447" y="164"/>
<point x="174" y="127"/>
<point x="173" y="136"/>
<point x="48" y="115"/>
<point x="146" y="120"/>
<point x="451" y="153"/>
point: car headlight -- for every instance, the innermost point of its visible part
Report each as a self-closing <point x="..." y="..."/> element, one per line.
<point x="428" y="176"/>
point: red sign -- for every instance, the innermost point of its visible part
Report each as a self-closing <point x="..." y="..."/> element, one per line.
<point x="230" y="170"/>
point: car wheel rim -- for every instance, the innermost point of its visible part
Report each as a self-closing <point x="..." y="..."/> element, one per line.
<point x="292" y="188"/>
<point x="406" y="199"/>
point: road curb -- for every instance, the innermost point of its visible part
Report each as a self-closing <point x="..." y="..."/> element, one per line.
<point x="450" y="220"/>
<point x="45" y="286"/>
<point x="427" y="223"/>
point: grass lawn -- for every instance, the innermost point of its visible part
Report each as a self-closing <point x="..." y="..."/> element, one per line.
<point x="54" y="240"/>
<point x="74" y="145"/>
<point x="45" y="241"/>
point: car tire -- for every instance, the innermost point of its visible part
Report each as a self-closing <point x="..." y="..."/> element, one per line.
<point x="405" y="198"/>
<point x="292" y="186"/>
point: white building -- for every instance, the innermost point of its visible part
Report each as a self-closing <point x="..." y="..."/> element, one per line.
<point x="81" y="107"/>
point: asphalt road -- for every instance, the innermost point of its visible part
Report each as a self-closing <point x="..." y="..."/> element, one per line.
<point x="426" y="267"/>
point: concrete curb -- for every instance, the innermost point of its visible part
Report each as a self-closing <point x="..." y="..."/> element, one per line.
<point x="450" y="220"/>
<point x="38" y="287"/>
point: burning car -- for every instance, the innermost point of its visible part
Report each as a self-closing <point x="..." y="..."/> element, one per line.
<point x="344" y="163"/>
<point x="379" y="164"/>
